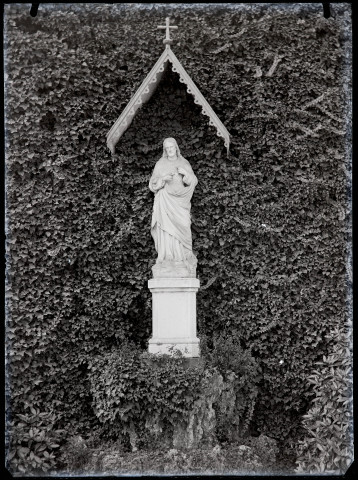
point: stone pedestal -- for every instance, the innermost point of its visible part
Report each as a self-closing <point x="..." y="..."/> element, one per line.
<point x="174" y="315"/>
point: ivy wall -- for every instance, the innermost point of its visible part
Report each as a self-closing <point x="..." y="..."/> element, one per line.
<point x="271" y="222"/>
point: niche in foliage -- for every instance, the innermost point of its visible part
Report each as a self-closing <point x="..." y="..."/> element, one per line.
<point x="170" y="112"/>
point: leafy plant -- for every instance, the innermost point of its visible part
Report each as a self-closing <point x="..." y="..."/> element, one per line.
<point x="328" y="443"/>
<point x="134" y="393"/>
<point x="34" y="443"/>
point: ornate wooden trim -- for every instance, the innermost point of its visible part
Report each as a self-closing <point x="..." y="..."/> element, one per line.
<point x="146" y="90"/>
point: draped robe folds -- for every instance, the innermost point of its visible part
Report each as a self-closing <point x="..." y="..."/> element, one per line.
<point x="170" y="227"/>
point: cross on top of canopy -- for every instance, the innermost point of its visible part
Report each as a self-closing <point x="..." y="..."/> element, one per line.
<point x="150" y="83"/>
<point x="167" y="27"/>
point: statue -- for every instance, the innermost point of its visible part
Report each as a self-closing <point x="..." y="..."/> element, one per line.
<point x="173" y="182"/>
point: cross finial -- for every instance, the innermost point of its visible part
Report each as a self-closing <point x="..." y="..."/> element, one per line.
<point x="167" y="27"/>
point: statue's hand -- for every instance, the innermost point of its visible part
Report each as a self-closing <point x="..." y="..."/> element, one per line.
<point x="182" y="171"/>
<point x="168" y="177"/>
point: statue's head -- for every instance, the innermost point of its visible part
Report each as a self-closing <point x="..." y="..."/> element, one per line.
<point x="170" y="148"/>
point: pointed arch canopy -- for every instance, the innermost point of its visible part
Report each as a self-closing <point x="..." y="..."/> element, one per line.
<point x="146" y="90"/>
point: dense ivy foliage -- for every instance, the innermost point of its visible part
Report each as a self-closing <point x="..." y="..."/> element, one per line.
<point x="271" y="222"/>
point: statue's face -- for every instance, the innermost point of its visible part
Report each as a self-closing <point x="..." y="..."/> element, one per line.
<point x="170" y="148"/>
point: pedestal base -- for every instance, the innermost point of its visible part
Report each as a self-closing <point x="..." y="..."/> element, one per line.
<point x="174" y="316"/>
<point x="188" y="349"/>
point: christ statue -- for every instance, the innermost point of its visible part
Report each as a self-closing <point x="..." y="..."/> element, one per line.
<point x="173" y="182"/>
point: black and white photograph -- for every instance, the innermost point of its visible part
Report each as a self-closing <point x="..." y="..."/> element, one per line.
<point x="178" y="239"/>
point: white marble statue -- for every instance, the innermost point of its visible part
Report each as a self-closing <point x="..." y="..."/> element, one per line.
<point x="173" y="182"/>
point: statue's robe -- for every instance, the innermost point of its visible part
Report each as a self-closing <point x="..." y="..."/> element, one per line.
<point x="171" y="221"/>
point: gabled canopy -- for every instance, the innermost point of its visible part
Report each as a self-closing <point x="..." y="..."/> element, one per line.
<point x="145" y="91"/>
